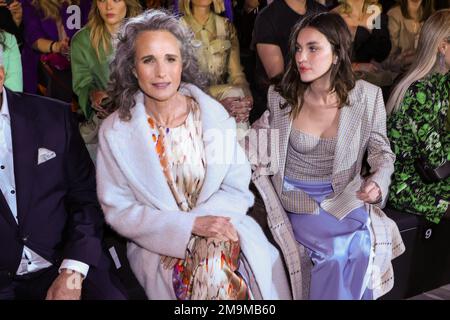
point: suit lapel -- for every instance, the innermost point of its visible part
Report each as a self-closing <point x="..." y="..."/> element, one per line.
<point x="282" y="122"/>
<point x="25" y="145"/>
<point x="6" y="211"/>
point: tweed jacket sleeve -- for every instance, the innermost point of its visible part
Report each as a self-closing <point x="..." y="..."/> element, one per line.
<point x="380" y="156"/>
<point x="262" y="140"/>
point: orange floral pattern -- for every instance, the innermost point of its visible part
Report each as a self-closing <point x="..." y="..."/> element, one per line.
<point x="209" y="270"/>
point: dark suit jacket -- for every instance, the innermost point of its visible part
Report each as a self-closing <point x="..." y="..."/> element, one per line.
<point x="59" y="216"/>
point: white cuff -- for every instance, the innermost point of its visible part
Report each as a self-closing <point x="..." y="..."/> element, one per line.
<point x="75" y="265"/>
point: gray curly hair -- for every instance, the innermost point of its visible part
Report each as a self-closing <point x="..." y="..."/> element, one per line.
<point x="123" y="85"/>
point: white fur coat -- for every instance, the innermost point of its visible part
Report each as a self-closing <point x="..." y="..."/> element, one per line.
<point x="139" y="205"/>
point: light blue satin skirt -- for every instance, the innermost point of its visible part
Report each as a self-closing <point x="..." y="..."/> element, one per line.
<point x="339" y="249"/>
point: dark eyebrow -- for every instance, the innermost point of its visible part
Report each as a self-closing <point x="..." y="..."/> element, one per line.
<point x="308" y="43"/>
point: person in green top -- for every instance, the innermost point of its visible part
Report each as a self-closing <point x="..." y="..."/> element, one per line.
<point x="91" y="51"/>
<point x="418" y="125"/>
<point x="11" y="61"/>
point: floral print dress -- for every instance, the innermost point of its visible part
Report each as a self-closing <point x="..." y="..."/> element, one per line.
<point x="209" y="270"/>
<point x="419" y="129"/>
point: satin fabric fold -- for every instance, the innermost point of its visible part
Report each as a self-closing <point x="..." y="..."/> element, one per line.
<point x="340" y="249"/>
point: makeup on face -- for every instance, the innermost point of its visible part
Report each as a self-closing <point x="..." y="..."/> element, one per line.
<point x="158" y="64"/>
<point x="313" y="55"/>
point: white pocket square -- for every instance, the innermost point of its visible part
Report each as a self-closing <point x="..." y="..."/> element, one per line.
<point x="45" y="155"/>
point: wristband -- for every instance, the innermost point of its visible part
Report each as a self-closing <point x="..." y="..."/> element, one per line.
<point x="51" y="46"/>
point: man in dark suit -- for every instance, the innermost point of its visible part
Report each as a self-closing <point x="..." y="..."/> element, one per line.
<point x="50" y="220"/>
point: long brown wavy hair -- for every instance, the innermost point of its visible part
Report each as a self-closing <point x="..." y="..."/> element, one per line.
<point x="334" y="28"/>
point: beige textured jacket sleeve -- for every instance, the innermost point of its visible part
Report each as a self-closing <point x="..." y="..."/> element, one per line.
<point x="380" y="156"/>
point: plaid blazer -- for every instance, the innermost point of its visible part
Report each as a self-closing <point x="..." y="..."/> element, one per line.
<point x="362" y="126"/>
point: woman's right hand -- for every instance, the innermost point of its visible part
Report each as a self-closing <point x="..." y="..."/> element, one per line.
<point x="215" y="227"/>
<point x="238" y="108"/>
<point x="406" y="59"/>
<point x="229" y="104"/>
<point x="243" y="108"/>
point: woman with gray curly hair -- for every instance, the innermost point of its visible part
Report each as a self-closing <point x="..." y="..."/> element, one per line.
<point x="172" y="177"/>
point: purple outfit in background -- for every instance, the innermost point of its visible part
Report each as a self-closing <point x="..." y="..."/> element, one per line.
<point x="35" y="27"/>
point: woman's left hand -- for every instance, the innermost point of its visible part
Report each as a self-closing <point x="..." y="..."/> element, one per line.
<point x="369" y="192"/>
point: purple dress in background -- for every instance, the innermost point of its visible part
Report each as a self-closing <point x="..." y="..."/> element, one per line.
<point x="35" y="27"/>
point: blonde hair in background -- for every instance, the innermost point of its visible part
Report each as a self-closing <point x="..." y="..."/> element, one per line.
<point x="346" y="8"/>
<point x="50" y="8"/>
<point x="185" y="6"/>
<point x="435" y="30"/>
<point x="99" y="34"/>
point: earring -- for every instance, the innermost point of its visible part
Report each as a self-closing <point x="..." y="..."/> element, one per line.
<point x="442" y="61"/>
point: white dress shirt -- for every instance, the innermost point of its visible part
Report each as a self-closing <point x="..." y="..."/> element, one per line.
<point x="31" y="261"/>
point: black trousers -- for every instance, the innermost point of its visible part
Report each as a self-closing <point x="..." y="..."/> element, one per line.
<point x="98" y="285"/>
